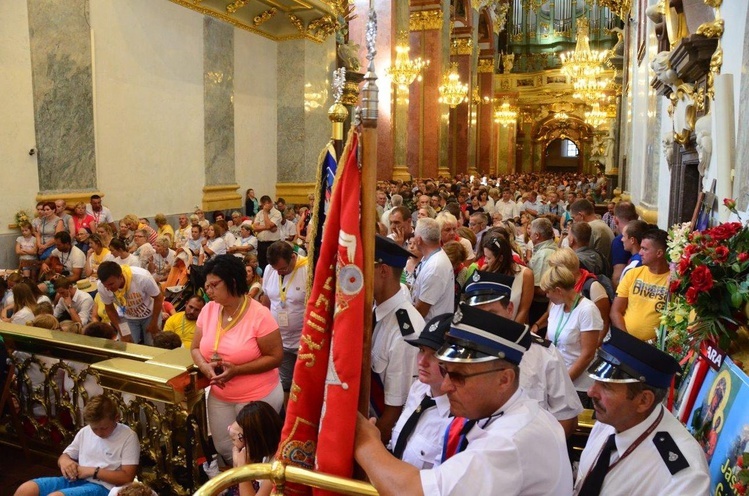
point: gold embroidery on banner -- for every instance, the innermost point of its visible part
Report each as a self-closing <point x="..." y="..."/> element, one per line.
<point x="294" y="391"/>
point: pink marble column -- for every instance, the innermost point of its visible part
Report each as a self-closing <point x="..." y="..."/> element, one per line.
<point x="424" y="110"/>
<point x="485" y="162"/>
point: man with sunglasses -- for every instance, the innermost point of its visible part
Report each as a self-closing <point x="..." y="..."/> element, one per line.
<point x="543" y="375"/>
<point x="507" y="445"/>
<point x="637" y="446"/>
<point x="396" y="321"/>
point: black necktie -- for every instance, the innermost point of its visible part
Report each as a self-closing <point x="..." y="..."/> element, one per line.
<point x="464" y="434"/>
<point x="592" y="484"/>
<point x="410" y="425"/>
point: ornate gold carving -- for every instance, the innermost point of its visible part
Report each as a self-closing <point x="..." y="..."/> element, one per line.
<point x="621" y="8"/>
<point x="712" y="29"/>
<point x="683" y="111"/>
<point x="323" y="27"/>
<point x="220" y="197"/>
<point x="716" y="62"/>
<point x="264" y="16"/>
<point x="461" y="46"/>
<point x="714" y="3"/>
<point x="297" y="22"/>
<point x="236" y="5"/>
<point x="485" y="66"/>
<point x="699" y="99"/>
<point x="424" y="20"/>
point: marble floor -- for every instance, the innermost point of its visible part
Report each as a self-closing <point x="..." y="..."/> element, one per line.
<point x="15" y="470"/>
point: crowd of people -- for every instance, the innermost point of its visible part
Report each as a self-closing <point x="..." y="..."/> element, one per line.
<point x="513" y="303"/>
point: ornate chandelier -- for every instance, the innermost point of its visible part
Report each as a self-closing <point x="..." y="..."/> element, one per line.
<point x="595" y="116"/>
<point x="452" y="91"/>
<point x="405" y="71"/>
<point x="584" y="62"/>
<point x="590" y="89"/>
<point x="505" y="115"/>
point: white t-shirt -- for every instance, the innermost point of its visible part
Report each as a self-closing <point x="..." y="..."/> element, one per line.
<point x="435" y="285"/>
<point x="82" y="303"/>
<point x="289" y="314"/>
<point x="217" y="246"/>
<point x="27" y="244"/>
<point x="131" y="260"/>
<point x="564" y="331"/>
<point x="249" y="241"/>
<point x="74" y="259"/>
<point x="22" y="316"/>
<point x="163" y="265"/>
<point x="102" y="216"/>
<point x="112" y="453"/>
<point x="139" y="298"/>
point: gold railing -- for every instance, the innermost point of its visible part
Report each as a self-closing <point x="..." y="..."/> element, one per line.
<point x="279" y="474"/>
<point x="159" y="392"/>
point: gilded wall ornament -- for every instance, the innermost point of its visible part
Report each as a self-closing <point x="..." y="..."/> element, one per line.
<point x="424" y="20"/>
<point x="461" y="46"/>
<point x="322" y="27"/>
<point x="485" y="66"/>
<point x="683" y="111"/>
<point x="264" y="16"/>
<point x="236" y="5"/>
<point x="621" y="8"/>
<point x="297" y="22"/>
<point x="712" y="29"/>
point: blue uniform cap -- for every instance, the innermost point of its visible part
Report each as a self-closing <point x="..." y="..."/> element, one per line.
<point x="623" y="358"/>
<point x="487" y="287"/>
<point x="433" y="335"/>
<point x="479" y="336"/>
<point x="389" y="253"/>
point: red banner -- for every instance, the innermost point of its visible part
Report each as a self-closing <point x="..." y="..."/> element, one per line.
<point x="321" y="415"/>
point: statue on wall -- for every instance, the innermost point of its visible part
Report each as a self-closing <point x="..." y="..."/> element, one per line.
<point x="349" y="54"/>
<point x="667" y="145"/>
<point x="661" y="65"/>
<point x="704" y="142"/>
<point x="508" y="60"/>
<point x="609" y="141"/>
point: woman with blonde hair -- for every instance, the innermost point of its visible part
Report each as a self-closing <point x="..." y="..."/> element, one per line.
<point x="99" y="253"/>
<point x="499" y="258"/>
<point x="165" y="229"/>
<point x="594" y="290"/>
<point x="448" y="225"/>
<point x="24" y="304"/>
<point x="574" y="324"/>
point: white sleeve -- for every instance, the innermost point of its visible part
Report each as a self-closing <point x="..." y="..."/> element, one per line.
<point x="590" y="318"/>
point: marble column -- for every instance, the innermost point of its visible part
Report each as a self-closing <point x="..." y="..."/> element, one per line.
<point x="485" y="160"/>
<point x="459" y="141"/>
<point x="427" y="119"/>
<point x="220" y="190"/>
<point x="304" y="75"/>
<point x="60" y="42"/>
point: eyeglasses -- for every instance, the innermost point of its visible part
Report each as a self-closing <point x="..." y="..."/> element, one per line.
<point x="138" y="236"/>
<point x="460" y="379"/>
<point x="212" y="285"/>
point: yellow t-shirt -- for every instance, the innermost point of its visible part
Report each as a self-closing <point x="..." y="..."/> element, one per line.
<point x="182" y="327"/>
<point x="646" y="297"/>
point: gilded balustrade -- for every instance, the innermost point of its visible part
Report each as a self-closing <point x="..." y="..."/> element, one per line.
<point x="159" y="392"/>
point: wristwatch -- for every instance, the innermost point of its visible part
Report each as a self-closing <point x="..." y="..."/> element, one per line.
<point x="96" y="473"/>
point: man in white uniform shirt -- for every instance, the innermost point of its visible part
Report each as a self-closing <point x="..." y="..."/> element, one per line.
<point x="284" y="292"/>
<point x="543" y="374"/>
<point x="506" y="443"/>
<point x="637" y="446"/>
<point x="433" y="292"/>
<point x="420" y="431"/>
<point x="396" y="322"/>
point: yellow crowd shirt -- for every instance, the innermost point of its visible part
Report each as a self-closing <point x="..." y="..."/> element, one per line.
<point x="646" y="297"/>
<point x="182" y="327"/>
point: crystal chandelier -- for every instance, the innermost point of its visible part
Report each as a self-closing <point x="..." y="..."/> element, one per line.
<point x="405" y="71"/>
<point x="583" y="62"/>
<point x="504" y="115"/>
<point x="595" y="116"/>
<point x="590" y="89"/>
<point x="452" y="91"/>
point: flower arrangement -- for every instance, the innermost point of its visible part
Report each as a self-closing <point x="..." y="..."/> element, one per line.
<point x="21" y="216"/>
<point x="709" y="276"/>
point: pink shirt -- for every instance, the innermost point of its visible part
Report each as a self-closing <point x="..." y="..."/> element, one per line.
<point x="239" y="345"/>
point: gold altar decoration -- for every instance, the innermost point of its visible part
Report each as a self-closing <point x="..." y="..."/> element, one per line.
<point x="621" y="8"/>
<point x="561" y="116"/>
<point x="452" y="91"/>
<point x="405" y="71"/>
<point x="505" y="115"/>
<point x="485" y="66"/>
<point x="159" y="394"/>
<point x="461" y="46"/>
<point x="423" y="20"/>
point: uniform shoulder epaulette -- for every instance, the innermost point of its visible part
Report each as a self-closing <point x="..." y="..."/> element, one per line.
<point x="671" y="454"/>
<point x="404" y="322"/>
<point x="539" y="340"/>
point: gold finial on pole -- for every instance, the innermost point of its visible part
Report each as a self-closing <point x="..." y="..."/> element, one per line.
<point x="337" y="113"/>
